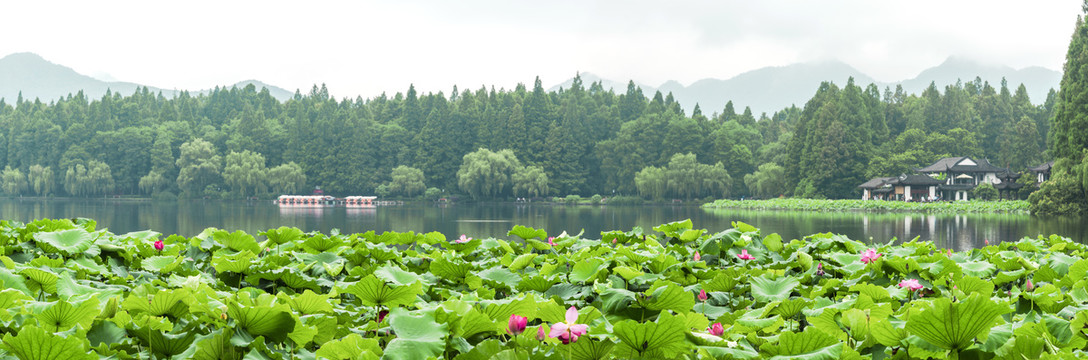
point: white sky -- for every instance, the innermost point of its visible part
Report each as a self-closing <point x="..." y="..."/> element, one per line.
<point x="369" y="47"/>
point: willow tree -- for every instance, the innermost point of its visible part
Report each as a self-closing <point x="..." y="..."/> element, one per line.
<point x="245" y="173"/>
<point x="530" y="181"/>
<point x="286" y="178"/>
<point x="198" y="166"/>
<point x="40" y="179"/>
<point x="14" y="182"/>
<point x="94" y="178"/>
<point x="485" y="173"/>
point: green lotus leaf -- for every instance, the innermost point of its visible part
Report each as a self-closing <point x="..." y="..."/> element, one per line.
<point x="40" y="279"/>
<point x="724" y="281"/>
<point x="773" y="242"/>
<point x="767" y="290"/>
<point x="14" y="281"/>
<point x="237" y="241"/>
<point x="398" y="276"/>
<point x="418" y="335"/>
<point x="874" y="292"/>
<point x="586" y="270"/>
<point x="161" y="263"/>
<point x="500" y="276"/>
<point x="473" y="322"/>
<point x="526" y="233"/>
<point x="159" y="302"/>
<point x="143" y="236"/>
<point x="272" y="322"/>
<point x="485" y="350"/>
<point x="67" y="242"/>
<point x="106" y="333"/>
<point x="351" y="347"/>
<point x="236" y="263"/>
<point x="320" y="243"/>
<point x="588" y="348"/>
<point x="63" y="316"/>
<point x="34" y="343"/>
<point x="374" y="292"/>
<point x="520" y="262"/>
<point x="663" y="338"/>
<point x="668" y="296"/>
<point x="500" y="310"/>
<point x="811" y="344"/>
<point x="43" y="261"/>
<point x="87" y="265"/>
<point x="309" y="303"/>
<point x="212" y="346"/>
<point x="450" y="269"/>
<point x="627" y="272"/>
<point x="538" y="283"/>
<point x="11" y="300"/>
<point x="888" y="333"/>
<point x="674" y="229"/>
<point x="166" y="343"/>
<point x="282" y="235"/>
<point x="980" y="269"/>
<point x="954" y="326"/>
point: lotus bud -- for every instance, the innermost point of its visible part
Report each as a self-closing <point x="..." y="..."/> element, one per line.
<point x="716" y="329"/>
<point x="820" y="269"/>
<point x="697" y="257"/>
<point x="516" y="324"/>
<point x="159" y="245"/>
<point x="540" y="334"/>
<point x="702" y="295"/>
<point x="1029" y="286"/>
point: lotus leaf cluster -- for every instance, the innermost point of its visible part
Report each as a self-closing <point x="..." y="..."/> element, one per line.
<point x="73" y="291"/>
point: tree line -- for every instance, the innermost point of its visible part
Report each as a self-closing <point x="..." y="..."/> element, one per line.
<point x="489" y="143"/>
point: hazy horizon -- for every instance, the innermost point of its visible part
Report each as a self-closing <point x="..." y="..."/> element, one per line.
<point x="368" y="48"/>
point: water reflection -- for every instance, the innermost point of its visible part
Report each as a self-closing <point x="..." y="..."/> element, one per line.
<point x="188" y="218"/>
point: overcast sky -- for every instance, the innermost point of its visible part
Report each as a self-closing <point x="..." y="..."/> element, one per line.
<point x="368" y="47"/>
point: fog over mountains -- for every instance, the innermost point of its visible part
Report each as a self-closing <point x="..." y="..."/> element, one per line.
<point x="38" y="78"/>
<point x="771" y="89"/>
<point x="767" y="89"/>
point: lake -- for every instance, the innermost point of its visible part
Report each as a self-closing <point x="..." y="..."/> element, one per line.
<point x="189" y="218"/>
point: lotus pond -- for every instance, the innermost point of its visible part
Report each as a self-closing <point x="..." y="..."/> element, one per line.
<point x="73" y="291"/>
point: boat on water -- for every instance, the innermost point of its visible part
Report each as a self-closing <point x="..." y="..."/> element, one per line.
<point x="325" y="200"/>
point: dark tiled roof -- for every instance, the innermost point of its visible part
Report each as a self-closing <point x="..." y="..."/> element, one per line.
<point x="953" y="164"/>
<point x="941" y="165"/>
<point x="1044" y="167"/>
<point x="876" y="182"/>
<point x="1008" y="185"/>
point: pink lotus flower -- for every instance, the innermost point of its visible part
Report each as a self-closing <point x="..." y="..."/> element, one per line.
<point x="869" y="256"/>
<point x="382" y="314"/>
<point x="1029" y="286"/>
<point x="540" y="335"/>
<point x="702" y="295"/>
<point x="987" y="241"/>
<point x="697" y="257"/>
<point x="551" y="240"/>
<point x="159" y="245"/>
<point x="569" y="331"/>
<point x="911" y="284"/>
<point x="820" y="269"/>
<point x="463" y="239"/>
<point x="516" y="324"/>
<point x="744" y="255"/>
<point x="716" y="329"/>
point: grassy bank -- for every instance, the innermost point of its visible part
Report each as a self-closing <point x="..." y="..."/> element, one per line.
<point x="1004" y="206"/>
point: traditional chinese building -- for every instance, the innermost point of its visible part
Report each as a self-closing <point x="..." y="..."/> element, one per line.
<point x="950" y="178"/>
<point x="1042" y="172"/>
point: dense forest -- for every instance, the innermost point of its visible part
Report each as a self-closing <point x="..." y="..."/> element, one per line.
<point x="489" y="143"/>
<point x="1067" y="190"/>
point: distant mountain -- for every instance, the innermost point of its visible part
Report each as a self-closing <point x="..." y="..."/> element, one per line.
<point x="771" y="89"/>
<point x="38" y="78"/>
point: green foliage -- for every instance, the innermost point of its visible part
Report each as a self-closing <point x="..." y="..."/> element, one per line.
<point x="406" y="181"/>
<point x="14" y="182"/>
<point x="683" y="177"/>
<point x="290" y="294"/>
<point x="866" y="205"/>
<point x="984" y="191"/>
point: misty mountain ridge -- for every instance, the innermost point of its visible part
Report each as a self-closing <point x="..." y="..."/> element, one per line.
<point x="38" y="78"/>
<point x="767" y="89"/>
<point x="770" y="89"/>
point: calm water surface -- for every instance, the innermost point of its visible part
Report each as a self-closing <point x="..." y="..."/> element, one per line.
<point x="189" y="218"/>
